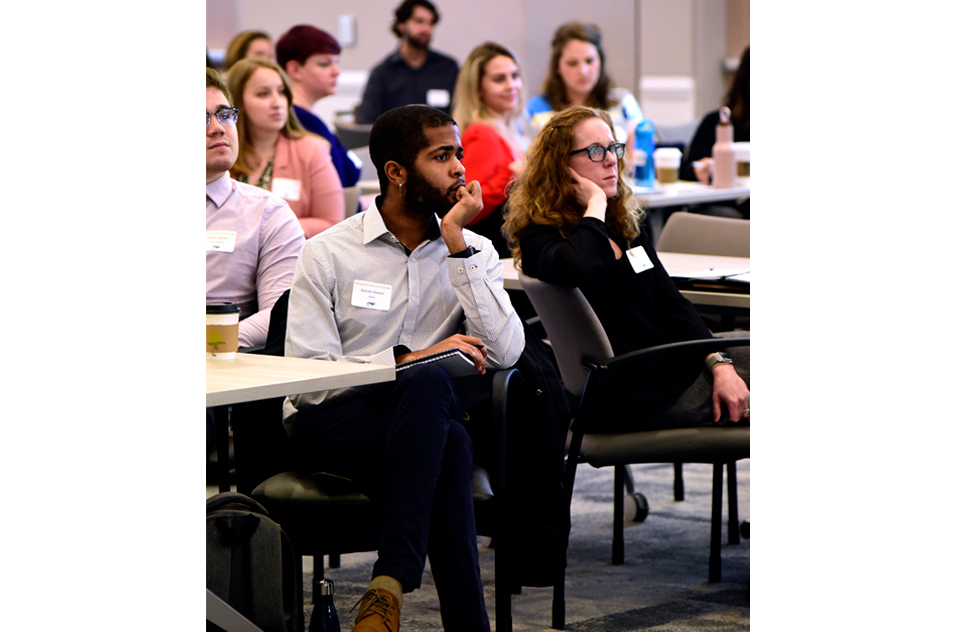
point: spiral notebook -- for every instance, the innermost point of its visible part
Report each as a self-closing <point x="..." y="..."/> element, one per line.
<point x="455" y="362"/>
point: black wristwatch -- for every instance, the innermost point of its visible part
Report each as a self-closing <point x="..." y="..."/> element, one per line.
<point x="717" y="358"/>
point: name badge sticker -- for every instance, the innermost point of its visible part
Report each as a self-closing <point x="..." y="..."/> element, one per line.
<point x="438" y="98"/>
<point x="220" y="240"/>
<point x="639" y="259"/>
<point x="286" y="188"/>
<point x="371" y="295"/>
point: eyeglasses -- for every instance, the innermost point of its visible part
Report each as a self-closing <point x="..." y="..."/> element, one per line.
<point x="227" y="117"/>
<point x="597" y="153"/>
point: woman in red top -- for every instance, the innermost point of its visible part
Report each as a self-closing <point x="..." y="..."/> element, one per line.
<point x="487" y="102"/>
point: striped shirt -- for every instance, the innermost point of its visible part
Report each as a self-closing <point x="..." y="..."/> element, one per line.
<point x="357" y="294"/>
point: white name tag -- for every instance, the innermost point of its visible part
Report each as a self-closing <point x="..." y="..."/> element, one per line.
<point x="371" y="295"/>
<point x="639" y="259"/>
<point x="438" y="98"/>
<point x="220" y="240"/>
<point x="286" y="188"/>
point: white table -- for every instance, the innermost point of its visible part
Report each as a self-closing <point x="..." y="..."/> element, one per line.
<point x="251" y="377"/>
<point x="676" y="264"/>
<point x="681" y="193"/>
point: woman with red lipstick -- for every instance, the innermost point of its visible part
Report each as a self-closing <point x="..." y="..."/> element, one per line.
<point x="275" y="151"/>
<point x="487" y="103"/>
<point x="573" y="221"/>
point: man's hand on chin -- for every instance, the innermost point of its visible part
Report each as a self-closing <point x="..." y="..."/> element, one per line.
<point x="466" y="209"/>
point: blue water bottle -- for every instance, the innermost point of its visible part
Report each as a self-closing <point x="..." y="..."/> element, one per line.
<point x="324" y="617"/>
<point x="644" y="154"/>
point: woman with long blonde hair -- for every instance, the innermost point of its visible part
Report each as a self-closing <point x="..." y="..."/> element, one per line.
<point x="275" y="151"/>
<point x="488" y="101"/>
<point x="572" y="221"/>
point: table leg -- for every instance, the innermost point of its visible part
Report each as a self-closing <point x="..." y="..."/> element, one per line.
<point x="221" y="415"/>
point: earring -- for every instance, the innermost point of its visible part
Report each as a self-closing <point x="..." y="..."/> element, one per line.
<point x="400" y="189"/>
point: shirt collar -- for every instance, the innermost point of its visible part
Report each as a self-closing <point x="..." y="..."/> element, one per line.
<point x="219" y="190"/>
<point x="374" y="226"/>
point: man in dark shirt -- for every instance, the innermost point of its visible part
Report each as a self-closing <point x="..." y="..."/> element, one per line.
<point x="414" y="74"/>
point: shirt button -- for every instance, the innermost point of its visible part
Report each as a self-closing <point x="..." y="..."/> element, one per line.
<point x="414" y="299"/>
<point x="461" y="268"/>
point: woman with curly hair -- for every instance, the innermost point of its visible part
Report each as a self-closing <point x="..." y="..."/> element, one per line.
<point x="573" y="221"/>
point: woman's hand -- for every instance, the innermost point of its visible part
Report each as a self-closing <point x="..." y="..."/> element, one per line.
<point x="703" y="169"/>
<point x="589" y="195"/>
<point x="731" y="392"/>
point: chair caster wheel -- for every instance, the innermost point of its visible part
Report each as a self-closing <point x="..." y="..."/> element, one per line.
<point x="635" y="507"/>
<point x="745" y="529"/>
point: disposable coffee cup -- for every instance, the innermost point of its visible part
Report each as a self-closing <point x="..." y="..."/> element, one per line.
<point x="742" y="154"/>
<point x="222" y="330"/>
<point x="667" y="163"/>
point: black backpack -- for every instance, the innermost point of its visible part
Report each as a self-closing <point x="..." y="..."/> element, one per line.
<point x="250" y="563"/>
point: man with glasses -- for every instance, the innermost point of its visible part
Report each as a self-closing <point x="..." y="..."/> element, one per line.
<point x="253" y="238"/>
<point x="413" y="74"/>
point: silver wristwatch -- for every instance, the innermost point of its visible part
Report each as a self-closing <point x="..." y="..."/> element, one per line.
<point x="717" y="358"/>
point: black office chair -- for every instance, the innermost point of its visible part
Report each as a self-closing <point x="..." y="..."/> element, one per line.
<point x="328" y="515"/>
<point x="582" y="350"/>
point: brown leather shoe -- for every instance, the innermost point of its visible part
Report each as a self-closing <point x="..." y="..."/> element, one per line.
<point x="377" y="612"/>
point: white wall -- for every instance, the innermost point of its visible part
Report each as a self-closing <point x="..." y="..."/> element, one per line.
<point x="683" y="38"/>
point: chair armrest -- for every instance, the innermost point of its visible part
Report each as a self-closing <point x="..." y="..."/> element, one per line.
<point x="257" y="349"/>
<point x="634" y="358"/>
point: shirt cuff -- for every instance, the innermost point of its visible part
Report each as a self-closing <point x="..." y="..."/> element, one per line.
<point x="464" y="254"/>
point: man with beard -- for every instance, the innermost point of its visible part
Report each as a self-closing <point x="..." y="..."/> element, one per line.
<point x="398" y="282"/>
<point x="414" y="73"/>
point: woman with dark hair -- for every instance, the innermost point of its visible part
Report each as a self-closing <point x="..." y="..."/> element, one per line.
<point x="573" y="221"/>
<point x="276" y="153"/>
<point x="577" y="76"/>
<point x="486" y="105"/>
<point x="255" y="44"/>
<point x="702" y="145"/>
<point x="310" y="58"/>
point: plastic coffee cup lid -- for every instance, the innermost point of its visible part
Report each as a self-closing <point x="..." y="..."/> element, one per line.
<point x="667" y="151"/>
<point x="222" y="308"/>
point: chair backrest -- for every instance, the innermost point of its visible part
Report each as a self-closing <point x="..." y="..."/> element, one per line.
<point x="698" y="234"/>
<point x="351" y="134"/>
<point x="351" y="200"/>
<point x="573" y="328"/>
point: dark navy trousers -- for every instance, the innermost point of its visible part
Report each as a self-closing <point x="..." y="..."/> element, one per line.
<point x="404" y="442"/>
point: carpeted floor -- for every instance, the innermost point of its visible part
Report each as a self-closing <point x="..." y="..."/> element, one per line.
<point x="662" y="586"/>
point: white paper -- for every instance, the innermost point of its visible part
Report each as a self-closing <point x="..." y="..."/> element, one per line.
<point x="287" y="188"/>
<point x="639" y="259"/>
<point x="220" y="240"/>
<point x="371" y="295"/>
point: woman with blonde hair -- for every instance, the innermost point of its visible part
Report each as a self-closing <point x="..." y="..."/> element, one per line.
<point x="573" y="221"/>
<point x="486" y="105"/>
<point x="276" y="153"/>
<point x="256" y="44"/>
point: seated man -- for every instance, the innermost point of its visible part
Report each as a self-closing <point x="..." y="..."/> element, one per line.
<point x="398" y="282"/>
<point x="253" y="238"/>
<point x="414" y="74"/>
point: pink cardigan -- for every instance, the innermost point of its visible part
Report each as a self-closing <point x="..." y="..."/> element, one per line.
<point x="321" y="202"/>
